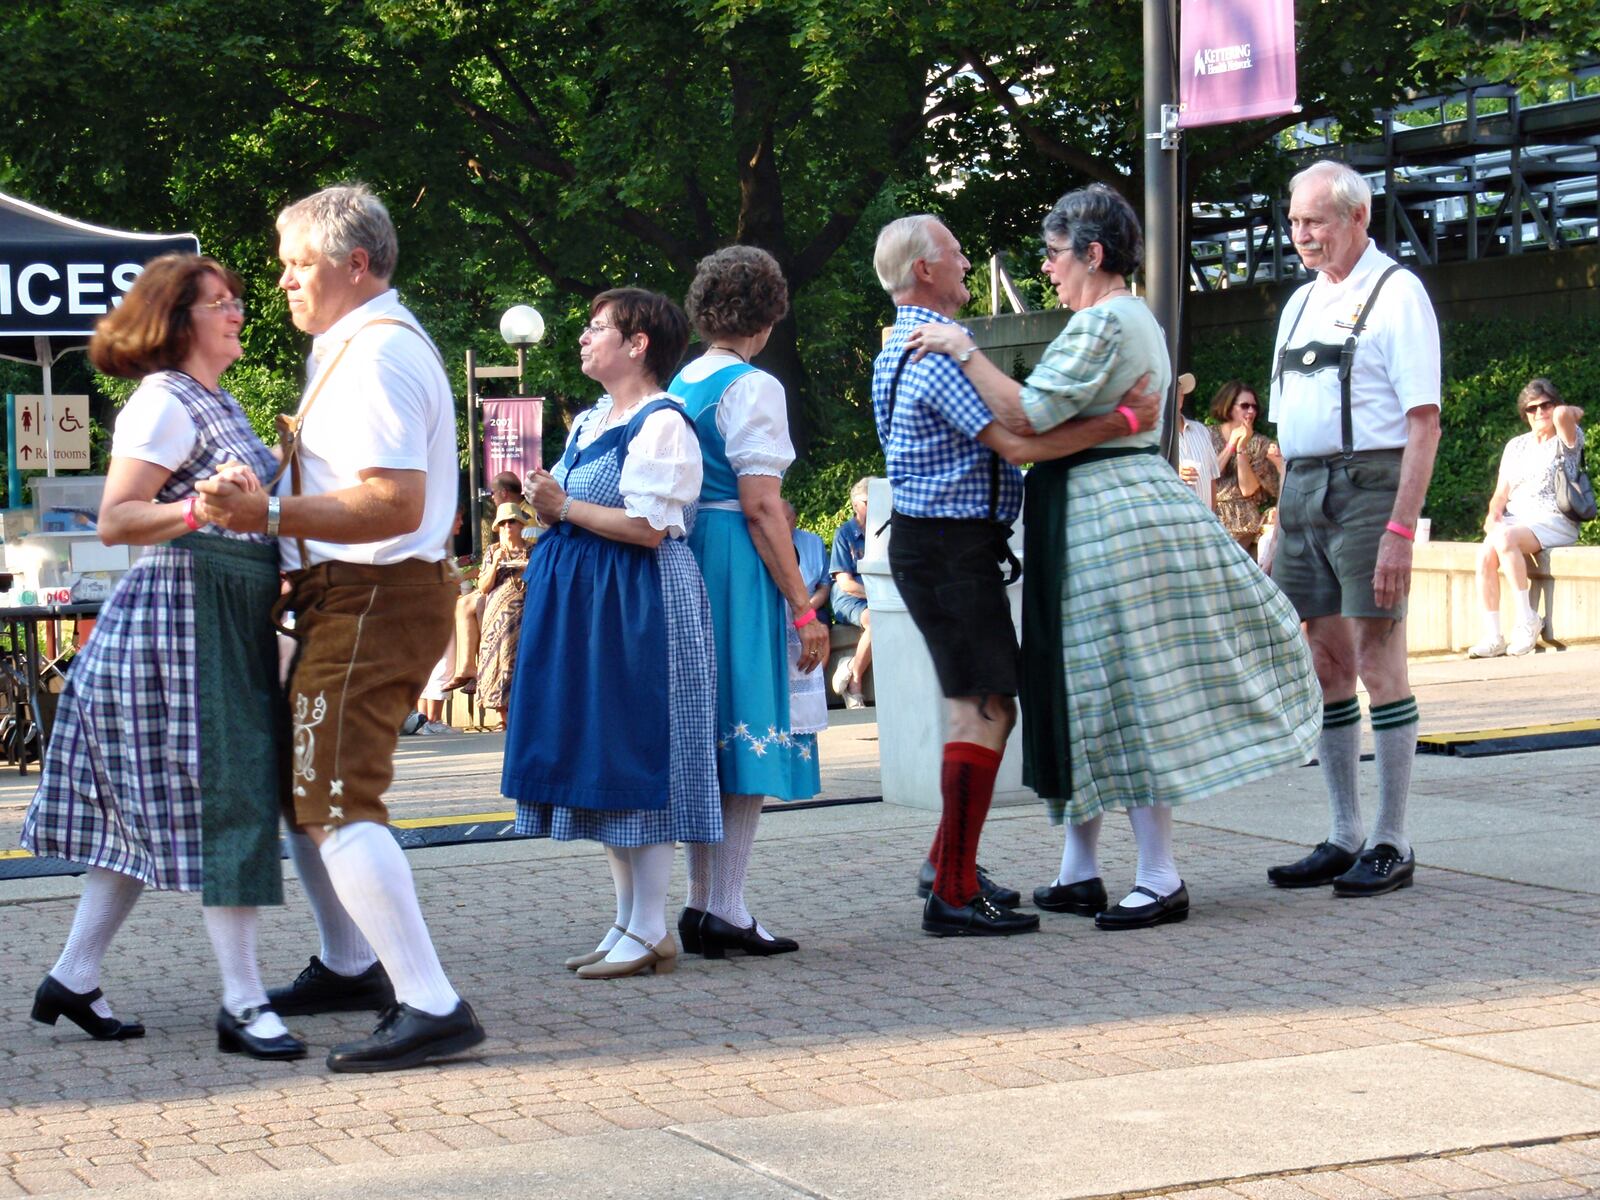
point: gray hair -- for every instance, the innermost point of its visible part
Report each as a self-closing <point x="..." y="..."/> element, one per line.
<point x="900" y="244"/>
<point x="343" y="218"/>
<point x="1348" y="190"/>
<point x="1098" y="213"/>
<point x="858" y="491"/>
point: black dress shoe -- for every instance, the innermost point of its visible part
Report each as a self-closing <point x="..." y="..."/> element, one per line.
<point x="1160" y="911"/>
<point x="981" y="918"/>
<point x="1007" y="897"/>
<point x="406" y="1037"/>
<point x="1085" y="898"/>
<point x="319" y="990"/>
<point x="717" y="937"/>
<point x="1323" y="865"/>
<point x="54" y="999"/>
<point x="1377" y="871"/>
<point x="689" y="929"/>
<point x="233" y="1037"/>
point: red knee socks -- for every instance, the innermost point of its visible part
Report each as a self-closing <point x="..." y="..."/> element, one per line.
<point x="966" y="784"/>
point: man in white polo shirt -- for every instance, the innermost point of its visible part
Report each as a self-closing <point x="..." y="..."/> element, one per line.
<point x="1355" y="395"/>
<point x="363" y="513"/>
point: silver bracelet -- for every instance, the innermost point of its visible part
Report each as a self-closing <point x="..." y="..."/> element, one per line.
<point x="566" y="507"/>
<point x="273" y="513"/>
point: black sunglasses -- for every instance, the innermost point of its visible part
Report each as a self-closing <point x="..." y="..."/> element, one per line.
<point x="1539" y="407"/>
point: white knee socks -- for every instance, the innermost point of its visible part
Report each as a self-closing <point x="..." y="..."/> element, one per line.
<point x="1152" y="833"/>
<point x="731" y="858"/>
<point x="1394" y="736"/>
<point x="1339" y="750"/>
<point x="372" y="879"/>
<point x="233" y="939"/>
<point x="344" y="950"/>
<point x="651" y="868"/>
<point x="1080" y="853"/>
<point x="108" y="897"/>
<point x="622" y="879"/>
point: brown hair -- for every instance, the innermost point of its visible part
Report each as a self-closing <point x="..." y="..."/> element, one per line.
<point x="1540" y="387"/>
<point x="738" y="291"/>
<point x="152" y="329"/>
<point x="1228" y="395"/>
<point x="634" y="310"/>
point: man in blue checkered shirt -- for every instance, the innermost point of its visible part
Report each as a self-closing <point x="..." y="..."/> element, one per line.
<point x="957" y="489"/>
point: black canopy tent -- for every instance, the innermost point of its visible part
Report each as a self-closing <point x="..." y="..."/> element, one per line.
<point x="58" y="276"/>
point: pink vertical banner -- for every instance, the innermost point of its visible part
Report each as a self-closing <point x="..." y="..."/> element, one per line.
<point x="513" y="431"/>
<point x="1236" y="60"/>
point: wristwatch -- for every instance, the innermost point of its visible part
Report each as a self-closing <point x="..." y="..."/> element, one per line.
<point x="967" y="354"/>
<point x="273" y="506"/>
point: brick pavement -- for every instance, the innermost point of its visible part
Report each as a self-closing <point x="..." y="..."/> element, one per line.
<point x="869" y="1012"/>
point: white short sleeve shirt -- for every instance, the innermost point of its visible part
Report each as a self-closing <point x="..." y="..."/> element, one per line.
<point x="154" y="427"/>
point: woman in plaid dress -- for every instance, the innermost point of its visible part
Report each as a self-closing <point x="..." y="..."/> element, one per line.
<point x="162" y="768"/>
<point x="610" y="730"/>
<point x="1159" y="664"/>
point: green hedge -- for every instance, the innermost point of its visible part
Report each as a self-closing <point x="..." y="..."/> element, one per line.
<point x="1486" y="362"/>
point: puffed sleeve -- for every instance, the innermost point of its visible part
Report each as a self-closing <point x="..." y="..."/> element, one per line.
<point x="662" y="472"/>
<point x="753" y="419"/>
<point x="1074" y="369"/>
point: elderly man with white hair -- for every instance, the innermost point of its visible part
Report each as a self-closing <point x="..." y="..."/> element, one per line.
<point x="1355" y="395"/>
<point x="363" y="510"/>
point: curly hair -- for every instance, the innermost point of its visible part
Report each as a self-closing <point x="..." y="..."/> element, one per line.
<point x="738" y="291"/>
<point x="152" y="329"/>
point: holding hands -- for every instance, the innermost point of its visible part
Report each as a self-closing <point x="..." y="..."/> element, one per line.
<point x="232" y="498"/>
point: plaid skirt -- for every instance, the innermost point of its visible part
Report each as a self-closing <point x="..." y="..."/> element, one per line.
<point x="1160" y="664"/>
<point x="164" y="758"/>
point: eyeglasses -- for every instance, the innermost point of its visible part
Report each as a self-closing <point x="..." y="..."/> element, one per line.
<point x="595" y="328"/>
<point x="1051" y="253"/>
<point x="1539" y="407"/>
<point x="236" y="307"/>
<point x="1247" y="406"/>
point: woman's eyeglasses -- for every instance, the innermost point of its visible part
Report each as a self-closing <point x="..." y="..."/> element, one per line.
<point x="236" y="307"/>
<point x="1248" y="407"/>
<point x="1542" y="406"/>
<point x="1051" y="253"/>
<point x="595" y="329"/>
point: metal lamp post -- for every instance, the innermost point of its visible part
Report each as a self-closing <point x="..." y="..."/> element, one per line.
<point x="521" y="326"/>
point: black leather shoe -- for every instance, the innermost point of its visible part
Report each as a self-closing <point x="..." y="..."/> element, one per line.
<point x="1377" y="871"/>
<point x="1322" y="866"/>
<point x="54" y="1000"/>
<point x="406" y="1037"/>
<point x="689" y="929"/>
<point x="1007" y="897"/>
<point x="319" y="990"/>
<point x="1085" y="898"/>
<point x="234" y="1038"/>
<point x="1160" y="911"/>
<point x="717" y="937"/>
<point x="981" y="918"/>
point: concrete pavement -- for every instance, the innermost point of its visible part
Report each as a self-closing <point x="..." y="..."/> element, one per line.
<point x="1441" y="1041"/>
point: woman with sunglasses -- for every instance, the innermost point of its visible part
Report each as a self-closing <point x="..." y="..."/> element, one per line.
<point x="1523" y="518"/>
<point x="1249" y="466"/>
<point x="163" y="765"/>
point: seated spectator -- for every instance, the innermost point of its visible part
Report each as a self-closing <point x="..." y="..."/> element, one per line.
<point x="1249" y="466"/>
<point x="1523" y="518"/>
<point x="1197" y="460"/>
<point x="504" y="489"/>
<point x="808" y="700"/>
<point x="501" y="587"/>
<point x="850" y="598"/>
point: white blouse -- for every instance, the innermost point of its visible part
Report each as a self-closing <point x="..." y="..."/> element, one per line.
<point x="752" y="417"/>
<point x="662" y="471"/>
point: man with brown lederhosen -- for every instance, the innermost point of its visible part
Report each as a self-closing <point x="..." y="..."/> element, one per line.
<point x="363" y="511"/>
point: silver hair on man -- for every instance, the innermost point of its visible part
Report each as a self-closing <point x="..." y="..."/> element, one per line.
<point x="1345" y="185"/>
<point x="344" y="218"/>
<point x="900" y="244"/>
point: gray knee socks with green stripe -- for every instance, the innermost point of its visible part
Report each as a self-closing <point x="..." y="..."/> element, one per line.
<point x="1394" y="732"/>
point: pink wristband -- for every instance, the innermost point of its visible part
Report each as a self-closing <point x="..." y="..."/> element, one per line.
<point x="805" y="618"/>
<point x="188" y="512"/>
<point x="1133" y="421"/>
<point x="1400" y="530"/>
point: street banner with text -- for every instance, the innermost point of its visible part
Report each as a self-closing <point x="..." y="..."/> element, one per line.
<point x="1236" y="61"/>
<point x="513" y="430"/>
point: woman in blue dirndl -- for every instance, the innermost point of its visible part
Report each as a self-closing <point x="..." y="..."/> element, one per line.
<point x="742" y="543"/>
<point x="611" y="722"/>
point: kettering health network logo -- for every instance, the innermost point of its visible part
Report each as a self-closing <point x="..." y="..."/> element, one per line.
<point x="1219" y="60"/>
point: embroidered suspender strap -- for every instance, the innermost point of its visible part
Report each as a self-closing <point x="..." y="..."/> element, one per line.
<point x="1347" y="358"/>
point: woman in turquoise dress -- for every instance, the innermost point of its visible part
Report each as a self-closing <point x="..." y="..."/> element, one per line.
<point x="741" y="540"/>
<point x="609" y="734"/>
<point x="1159" y="664"/>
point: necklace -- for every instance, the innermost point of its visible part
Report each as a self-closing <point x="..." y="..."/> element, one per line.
<point x="618" y="413"/>
<point x="728" y="350"/>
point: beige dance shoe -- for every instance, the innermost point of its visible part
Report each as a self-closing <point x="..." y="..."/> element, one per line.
<point x="594" y="956"/>
<point x="662" y="959"/>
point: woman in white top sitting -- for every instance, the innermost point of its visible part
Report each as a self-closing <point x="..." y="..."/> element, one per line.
<point x="1523" y="518"/>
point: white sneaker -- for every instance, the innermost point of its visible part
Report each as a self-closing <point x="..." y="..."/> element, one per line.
<point x="841" y="676"/>
<point x="434" y="727"/>
<point x="1524" y="637"/>
<point x="854" y="700"/>
<point x="1490" y="647"/>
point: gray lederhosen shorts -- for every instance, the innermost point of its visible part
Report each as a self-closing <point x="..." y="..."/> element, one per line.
<point x="1331" y="516"/>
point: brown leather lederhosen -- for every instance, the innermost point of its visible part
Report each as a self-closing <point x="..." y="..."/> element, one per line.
<point x="367" y="638"/>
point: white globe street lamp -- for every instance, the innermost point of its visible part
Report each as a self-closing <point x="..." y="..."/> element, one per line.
<point x="521" y="325"/>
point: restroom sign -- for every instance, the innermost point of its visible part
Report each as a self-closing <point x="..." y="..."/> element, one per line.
<point x="70" y="440"/>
